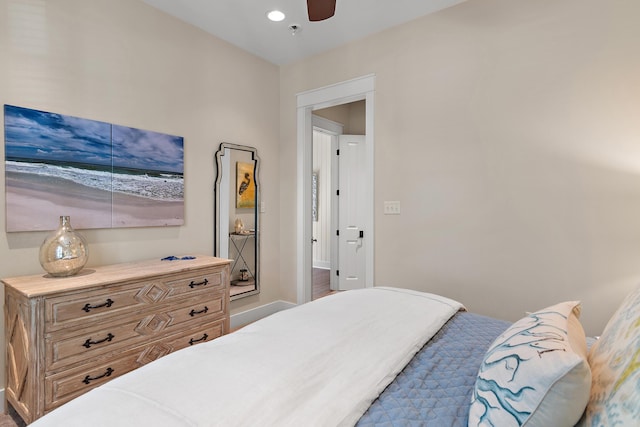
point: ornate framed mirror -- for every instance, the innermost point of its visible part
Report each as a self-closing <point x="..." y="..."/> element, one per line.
<point x="236" y="216"/>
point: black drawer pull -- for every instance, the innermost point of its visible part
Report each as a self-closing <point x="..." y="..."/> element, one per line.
<point x="204" y="338"/>
<point x="194" y="312"/>
<point x="88" y="343"/>
<point x="194" y="284"/>
<point x="87" y="307"/>
<point x="88" y="379"/>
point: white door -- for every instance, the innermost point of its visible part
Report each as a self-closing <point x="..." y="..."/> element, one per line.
<point x="351" y="217"/>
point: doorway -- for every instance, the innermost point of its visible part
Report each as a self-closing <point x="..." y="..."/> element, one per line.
<point x="338" y="248"/>
<point x="324" y="205"/>
<point x="360" y="89"/>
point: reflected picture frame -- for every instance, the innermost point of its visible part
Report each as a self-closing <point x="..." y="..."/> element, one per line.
<point x="245" y="186"/>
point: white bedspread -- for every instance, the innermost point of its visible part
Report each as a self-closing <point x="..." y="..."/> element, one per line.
<point x="318" y="364"/>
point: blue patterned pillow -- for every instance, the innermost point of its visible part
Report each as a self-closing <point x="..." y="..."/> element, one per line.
<point x="535" y="373"/>
<point x="615" y="365"/>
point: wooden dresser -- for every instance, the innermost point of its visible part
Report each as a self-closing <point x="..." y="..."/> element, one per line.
<point x="65" y="336"/>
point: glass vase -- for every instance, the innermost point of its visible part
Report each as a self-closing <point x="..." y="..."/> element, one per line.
<point x="64" y="252"/>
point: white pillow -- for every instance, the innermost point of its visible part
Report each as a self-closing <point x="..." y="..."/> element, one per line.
<point x="615" y="365"/>
<point x="535" y="373"/>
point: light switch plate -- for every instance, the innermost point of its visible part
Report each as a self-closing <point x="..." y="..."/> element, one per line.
<point x="392" y="207"/>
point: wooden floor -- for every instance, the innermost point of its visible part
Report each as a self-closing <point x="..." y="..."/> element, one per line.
<point x="321" y="283"/>
<point x="11" y="419"/>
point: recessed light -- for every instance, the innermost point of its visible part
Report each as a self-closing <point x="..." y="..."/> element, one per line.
<point x="275" y="16"/>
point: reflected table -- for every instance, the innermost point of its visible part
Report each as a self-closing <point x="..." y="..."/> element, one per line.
<point x="240" y="262"/>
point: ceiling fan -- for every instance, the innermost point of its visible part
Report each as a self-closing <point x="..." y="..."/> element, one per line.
<point x="319" y="10"/>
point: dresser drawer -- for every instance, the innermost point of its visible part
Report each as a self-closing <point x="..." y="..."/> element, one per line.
<point x="90" y="305"/>
<point x="64" y="386"/>
<point x="197" y="335"/>
<point x="100" y="303"/>
<point x="64" y="348"/>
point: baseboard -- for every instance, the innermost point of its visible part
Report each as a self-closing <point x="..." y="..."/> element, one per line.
<point x="249" y="316"/>
<point x="324" y="265"/>
<point x="4" y="402"/>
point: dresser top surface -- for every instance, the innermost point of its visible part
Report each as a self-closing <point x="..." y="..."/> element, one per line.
<point x="44" y="284"/>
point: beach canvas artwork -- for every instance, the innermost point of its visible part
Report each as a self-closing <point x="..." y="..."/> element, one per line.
<point x="245" y="186"/>
<point x="99" y="174"/>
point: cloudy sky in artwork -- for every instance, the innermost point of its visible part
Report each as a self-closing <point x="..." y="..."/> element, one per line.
<point x="43" y="136"/>
<point x="147" y="150"/>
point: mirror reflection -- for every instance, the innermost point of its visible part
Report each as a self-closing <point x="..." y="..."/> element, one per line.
<point x="236" y="228"/>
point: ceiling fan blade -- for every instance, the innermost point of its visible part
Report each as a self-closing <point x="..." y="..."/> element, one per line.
<point x="320" y="10"/>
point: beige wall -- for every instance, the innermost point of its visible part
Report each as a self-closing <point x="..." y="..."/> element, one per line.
<point x="509" y="131"/>
<point x="351" y="116"/>
<point x="123" y="62"/>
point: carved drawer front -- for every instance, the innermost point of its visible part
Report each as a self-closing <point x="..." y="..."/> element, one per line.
<point x="192" y="284"/>
<point x="198" y="335"/>
<point x="68" y="384"/>
<point x="93" y="342"/>
<point x="195" y="310"/>
<point x="87" y="306"/>
<point x="64" y="348"/>
<point x="71" y="309"/>
<point x="62" y="387"/>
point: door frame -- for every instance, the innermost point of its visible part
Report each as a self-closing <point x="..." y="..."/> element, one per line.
<point x="337" y="94"/>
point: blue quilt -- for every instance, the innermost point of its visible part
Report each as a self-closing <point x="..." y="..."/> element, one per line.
<point x="435" y="388"/>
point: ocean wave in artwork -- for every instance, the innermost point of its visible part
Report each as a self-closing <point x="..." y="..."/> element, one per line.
<point x="155" y="185"/>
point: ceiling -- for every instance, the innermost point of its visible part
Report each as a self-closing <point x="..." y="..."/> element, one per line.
<point x="243" y="22"/>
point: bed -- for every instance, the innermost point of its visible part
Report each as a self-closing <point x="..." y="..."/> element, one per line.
<point x="384" y="356"/>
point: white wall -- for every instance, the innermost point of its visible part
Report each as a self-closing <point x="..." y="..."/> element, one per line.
<point x="123" y="62"/>
<point x="509" y="131"/>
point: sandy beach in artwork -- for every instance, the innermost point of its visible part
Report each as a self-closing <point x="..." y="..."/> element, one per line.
<point x="35" y="202"/>
<point x="132" y="211"/>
